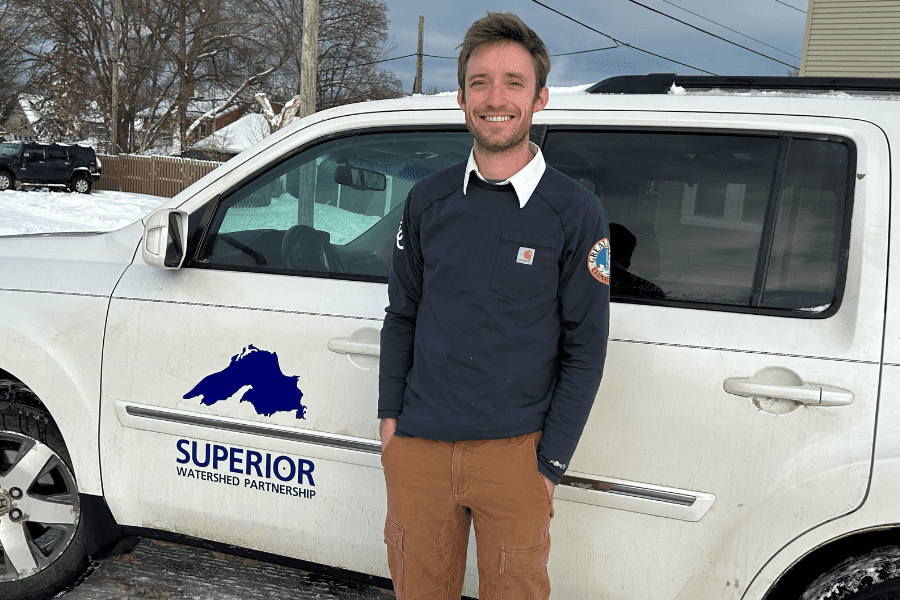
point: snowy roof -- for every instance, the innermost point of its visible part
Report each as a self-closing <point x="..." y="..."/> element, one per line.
<point x="237" y="136"/>
<point x="28" y="103"/>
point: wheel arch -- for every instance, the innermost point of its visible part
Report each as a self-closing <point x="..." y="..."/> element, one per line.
<point x="823" y="558"/>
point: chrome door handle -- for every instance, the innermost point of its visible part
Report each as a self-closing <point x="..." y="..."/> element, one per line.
<point x="362" y="347"/>
<point x="350" y="346"/>
<point x="784" y="384"/>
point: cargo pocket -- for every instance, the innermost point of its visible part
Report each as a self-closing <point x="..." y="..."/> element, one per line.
<point x="393" y="537"/>
<point x="525" y="266"/>
<point x="523" y="573"/>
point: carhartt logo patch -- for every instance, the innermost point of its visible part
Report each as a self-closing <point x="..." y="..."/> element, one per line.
<point x="598" y="261"/>
<point x="526" y="255"/>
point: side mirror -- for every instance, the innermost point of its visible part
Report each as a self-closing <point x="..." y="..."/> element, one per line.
<point x="165" y="239"/>
<point x="360" y="179"/>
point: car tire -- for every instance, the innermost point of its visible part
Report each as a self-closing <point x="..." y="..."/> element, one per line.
<point x="7" y="182"/>
<point x="872" y="576"/>
<point x="42" y="532"/>
<point x="80" y="184"/>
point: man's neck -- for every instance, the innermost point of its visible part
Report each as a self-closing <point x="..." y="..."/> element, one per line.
<point x="500" y="166"/>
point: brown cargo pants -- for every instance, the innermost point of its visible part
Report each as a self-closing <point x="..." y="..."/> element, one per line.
<point x="435" y="490"/>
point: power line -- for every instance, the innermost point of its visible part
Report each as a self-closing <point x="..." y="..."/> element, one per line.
<point x="584" y="51"/>
<point x="375" y="62"/>
<point x="711" y="33"/>
<point x="621" y="43"/>
<point x="732" y="30"/>
<point x="576" y="21"/>
<point x="789" y="6"/>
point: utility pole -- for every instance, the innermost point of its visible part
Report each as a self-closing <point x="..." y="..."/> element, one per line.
<point x="309" y="57"/>
<point x="417" y="84"/>
<point x="114" y="113"/>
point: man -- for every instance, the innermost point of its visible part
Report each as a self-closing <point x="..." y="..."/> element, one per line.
<point x="494" y="340"/>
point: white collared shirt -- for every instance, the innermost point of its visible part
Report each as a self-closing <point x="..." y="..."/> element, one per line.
<point x="524" y="182"/>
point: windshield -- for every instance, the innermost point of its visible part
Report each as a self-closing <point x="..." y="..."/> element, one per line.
<point x="9" y="149"/>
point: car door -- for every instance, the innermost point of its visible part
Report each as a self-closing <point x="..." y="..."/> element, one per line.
<point x="59" y="165"/>
<point x="33" y="168"/>
<point x="738" y="403"/>
<point x="240" y="391"/>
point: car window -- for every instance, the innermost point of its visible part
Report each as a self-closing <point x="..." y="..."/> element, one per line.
<point x="727" y="220"/>
<point x="33" y="155"/>
<point x="57" y="154"/>
<point x="333" y="209"/>
<point x="813" y="214"/>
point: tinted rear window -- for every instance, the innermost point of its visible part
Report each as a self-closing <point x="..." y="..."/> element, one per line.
<point x="731" y="221"/>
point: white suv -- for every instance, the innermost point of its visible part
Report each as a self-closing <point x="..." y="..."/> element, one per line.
<point x="212" y="371"/>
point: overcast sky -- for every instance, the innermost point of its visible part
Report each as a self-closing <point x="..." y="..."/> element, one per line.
<point x="780" y="25"/>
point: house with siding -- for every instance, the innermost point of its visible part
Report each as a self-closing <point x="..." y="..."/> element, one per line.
<point x="852" y="38"/>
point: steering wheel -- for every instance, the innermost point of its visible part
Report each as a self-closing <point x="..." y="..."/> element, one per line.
<point x="307" y="249"/>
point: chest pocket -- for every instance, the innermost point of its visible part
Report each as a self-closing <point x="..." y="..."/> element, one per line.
<point x="525" y="266"/>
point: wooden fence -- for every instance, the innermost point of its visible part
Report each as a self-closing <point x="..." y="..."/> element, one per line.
<point x="155" y="175"/>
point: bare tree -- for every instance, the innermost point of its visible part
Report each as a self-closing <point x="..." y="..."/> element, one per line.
<point x="14" y="67"/>
<point x="183" y="63"/>
<point x="352" y="37"/>
<point x="74" y="71"/>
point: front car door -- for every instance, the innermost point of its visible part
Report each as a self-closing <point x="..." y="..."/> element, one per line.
<point x="240" y="392"/>
<point x="33" y="168"/>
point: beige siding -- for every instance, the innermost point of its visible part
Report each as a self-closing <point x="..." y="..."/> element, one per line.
<point x="852" y="38"/>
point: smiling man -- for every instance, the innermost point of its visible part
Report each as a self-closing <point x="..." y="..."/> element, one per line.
<point x="494" y="341"/>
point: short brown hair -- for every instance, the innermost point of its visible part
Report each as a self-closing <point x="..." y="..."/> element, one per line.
<point x="503" y="27"/>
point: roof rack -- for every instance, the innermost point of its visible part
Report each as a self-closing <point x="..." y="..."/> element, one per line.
<point x="659" y="83"/>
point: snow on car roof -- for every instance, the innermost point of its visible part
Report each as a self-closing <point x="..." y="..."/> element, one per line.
<point x="677" y="90"/>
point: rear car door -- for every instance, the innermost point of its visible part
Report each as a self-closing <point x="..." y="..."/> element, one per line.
<point x="240" y="392"/>
<point x="59" y="165"/>
<point x="738" y="403"/>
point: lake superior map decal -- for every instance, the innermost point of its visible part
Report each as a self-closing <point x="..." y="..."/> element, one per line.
<point x="270" y="390"/>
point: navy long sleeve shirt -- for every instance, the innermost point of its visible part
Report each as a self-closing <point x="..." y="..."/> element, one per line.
<point x="498" y="317"/>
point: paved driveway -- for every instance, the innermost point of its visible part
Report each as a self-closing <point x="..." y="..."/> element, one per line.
<point x="161" y="571"/>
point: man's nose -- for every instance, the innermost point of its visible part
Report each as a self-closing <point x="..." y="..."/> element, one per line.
<point x="496" y="96"/>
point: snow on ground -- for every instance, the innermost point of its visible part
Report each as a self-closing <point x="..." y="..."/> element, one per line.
<point x="51" y="212"/>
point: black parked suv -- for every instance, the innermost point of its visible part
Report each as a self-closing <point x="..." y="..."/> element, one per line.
<point x="68" y="166"/>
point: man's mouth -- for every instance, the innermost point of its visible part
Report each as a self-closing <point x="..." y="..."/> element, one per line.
<point x="497" y="119"/>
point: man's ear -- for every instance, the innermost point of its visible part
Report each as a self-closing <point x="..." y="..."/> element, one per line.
<point x="459" y="99"/>
<point x="541" y="101"/>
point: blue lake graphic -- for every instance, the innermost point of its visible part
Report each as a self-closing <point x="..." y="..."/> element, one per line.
<point x="271" y="391"/>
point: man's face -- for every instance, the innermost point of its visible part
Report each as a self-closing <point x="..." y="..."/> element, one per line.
<point x="499" y="96"/>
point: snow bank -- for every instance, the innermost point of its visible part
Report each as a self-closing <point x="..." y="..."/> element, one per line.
<point x="53" y="212"/>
